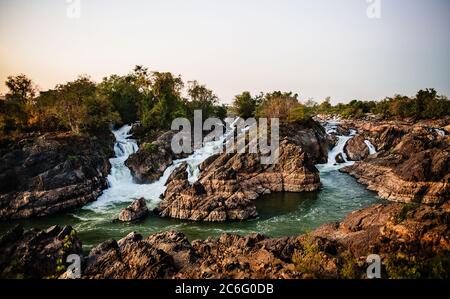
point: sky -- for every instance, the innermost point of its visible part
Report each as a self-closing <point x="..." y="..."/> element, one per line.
<point x="316" y="48"/>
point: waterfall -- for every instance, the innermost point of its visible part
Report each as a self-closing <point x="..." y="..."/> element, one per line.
<point x="121" y="186"/>
<point x="331" y="165"/>
<point x="372" y="149"/>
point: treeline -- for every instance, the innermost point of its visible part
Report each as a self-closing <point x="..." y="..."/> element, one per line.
<point x="427" y="104"/>
<point x="156" y="98"/>
<point x="153" y="98"/>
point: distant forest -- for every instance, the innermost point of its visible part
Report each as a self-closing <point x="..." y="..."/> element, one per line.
<point x="156" y="98"/>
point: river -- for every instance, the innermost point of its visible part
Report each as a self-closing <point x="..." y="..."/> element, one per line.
<point x="280" y="214"/>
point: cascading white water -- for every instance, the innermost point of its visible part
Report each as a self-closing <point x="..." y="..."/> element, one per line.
<point x="372" y="149"/>
<point x="122" y="187"/>
<point x="331" y="165"/>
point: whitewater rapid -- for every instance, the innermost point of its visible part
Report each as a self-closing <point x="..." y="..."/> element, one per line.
<point x="123" y="188"/>
<point x="332" y="165"/>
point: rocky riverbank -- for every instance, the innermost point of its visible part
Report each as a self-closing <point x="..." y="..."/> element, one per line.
<point x="44" y="174"/>
<point x="411" y="235"/>
<point x="411" y="165"/>
<point x="413" y="241"/>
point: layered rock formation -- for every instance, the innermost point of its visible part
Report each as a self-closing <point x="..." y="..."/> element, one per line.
<point x="137" y="210"/>
<point x="45" y="174"/>
<point x="411" y="167"/>
<point x="36" y="253"/>
<point x="229" y="184"/>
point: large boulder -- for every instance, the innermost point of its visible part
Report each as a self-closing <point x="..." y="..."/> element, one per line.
<point x="340" y="158"/>
<point x="129" y="258"/>
<point x="45" y="174"/>
<point x="137" y="210"/>
<point x="356" y="149"/>
<point x="152" y="159"/>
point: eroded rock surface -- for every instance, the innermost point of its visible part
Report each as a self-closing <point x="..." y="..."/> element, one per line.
<point x="37" y="253"/>
<point x="153" y="158"/>
<point x="228" y="186"/>
<point x="137" y="210"/>
<point x="414" y="169"/>
<point x="356" y="149"/>
<point x="45" y="174"/>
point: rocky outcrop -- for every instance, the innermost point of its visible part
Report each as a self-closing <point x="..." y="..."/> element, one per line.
<point x="229" y="184"/>
<point x="37" y="253"/>
<point x="310" y="136"/>
<point x="45" y="174"/>
<point x="152" y="158"/>
<point x="129" y="258"/>
<point x="137" y="210"/>
<point x="414" y="170"/>
<point x="356" y="149"/>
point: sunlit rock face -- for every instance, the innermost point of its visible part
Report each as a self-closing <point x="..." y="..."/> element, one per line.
<point x="229" y="184"/>
<point x="412" y="165"/>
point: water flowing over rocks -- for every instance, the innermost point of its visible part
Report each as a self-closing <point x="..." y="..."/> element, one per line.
<point x="412" y="165"/>
<point x="137" y="210"/>
<point x="45" y="174"/>
<point x="229" y="184"/>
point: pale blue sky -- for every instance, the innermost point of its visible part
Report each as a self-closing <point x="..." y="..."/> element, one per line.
<point x="316" y="48"/>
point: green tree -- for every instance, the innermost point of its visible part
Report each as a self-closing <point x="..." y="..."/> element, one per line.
<point x="164" y="101"/>
<point x="124" y="95"/>
<point x="200" y="98"/>
<point x="244" y="105"/>
<point x="80" y="107"/>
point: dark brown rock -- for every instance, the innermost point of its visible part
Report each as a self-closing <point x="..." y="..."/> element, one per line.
<point x="153" y="158"/>
<point x="45" y="174"/>
<point x="227" y="188"/>
<point x="356" y="149"/>
<point x="340" y="158"/>
<point x="415" y="170"/>
<point x="36" y="253"/>
<point x="137" y="210"/>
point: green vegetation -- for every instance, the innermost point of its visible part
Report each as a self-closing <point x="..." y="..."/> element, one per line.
<point x="309" y="258"/>
<point x="427" y="104"/>
<point x="406" y="209"/>
<point x="156" y="98"/>
<point x="153" y="98"/>
<point x="150" y="147"/>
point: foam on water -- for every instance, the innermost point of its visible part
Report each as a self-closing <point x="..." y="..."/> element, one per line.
<point x="332" y="165"/>
<point x="372" y="149"/>
<point x="122" y="187"/>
